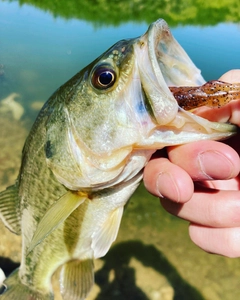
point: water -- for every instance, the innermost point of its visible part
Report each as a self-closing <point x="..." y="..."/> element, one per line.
<point x="39" y="51"/>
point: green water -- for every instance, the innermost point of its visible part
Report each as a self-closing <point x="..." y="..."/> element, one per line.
<point x="44" y="43"/>
<point x="40" y="50"/>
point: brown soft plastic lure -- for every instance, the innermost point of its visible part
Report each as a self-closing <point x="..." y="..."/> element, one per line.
<point x="213" y="93"/>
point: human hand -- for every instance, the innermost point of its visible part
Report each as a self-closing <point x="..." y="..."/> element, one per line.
<point x="205" y="188"/>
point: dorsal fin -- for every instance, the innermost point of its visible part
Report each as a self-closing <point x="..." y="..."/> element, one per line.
<point x="9" y="209"/>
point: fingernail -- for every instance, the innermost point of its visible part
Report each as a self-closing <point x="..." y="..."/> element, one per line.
<point x="167" y="187"/>
<point x="215" y="165"/>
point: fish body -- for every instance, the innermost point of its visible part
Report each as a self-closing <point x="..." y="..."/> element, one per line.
<point x="85" y="155"/>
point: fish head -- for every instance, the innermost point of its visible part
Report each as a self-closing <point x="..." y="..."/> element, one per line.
<point x="106" y="121"/>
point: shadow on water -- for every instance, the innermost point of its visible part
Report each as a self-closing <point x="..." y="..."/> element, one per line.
<point x="123" y="286"/>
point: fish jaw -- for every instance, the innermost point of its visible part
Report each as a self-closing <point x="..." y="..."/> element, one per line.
<point x="167" y="54"/>
<point x="163" y="62"/>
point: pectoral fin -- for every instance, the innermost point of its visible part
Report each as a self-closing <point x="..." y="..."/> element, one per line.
<point x="9" y="212"/>
<point x="107" y="233"/>
<point x="56" y="214"/>
<point x="77" y="278"/>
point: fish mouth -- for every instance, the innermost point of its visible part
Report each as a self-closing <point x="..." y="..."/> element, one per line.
<point x="162" y="63"/>
<point x="166" y="53"/>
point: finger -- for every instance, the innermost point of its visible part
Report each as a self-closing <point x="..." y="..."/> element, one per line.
<point x="210" y="208"/>
<point x="206" y="160"/>
<point x="228" y="113"/>
<point x="232" y="76"/>
<point x="227" y="185"/>
<point x="223" y="241"/>
<point x="232" y="111"/>
<point x="164" y="179"/>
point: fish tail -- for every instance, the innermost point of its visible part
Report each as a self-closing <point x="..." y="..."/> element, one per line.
<point x="13" y="289"/>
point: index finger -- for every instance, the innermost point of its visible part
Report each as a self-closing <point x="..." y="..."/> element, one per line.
<point x="231" y="76"/>
<point x="228" y="113"/>
<point x="234" y="106"/>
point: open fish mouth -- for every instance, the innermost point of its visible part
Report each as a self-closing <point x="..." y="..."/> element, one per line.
<point x="167" y="54"/>
<point x="164" y="66"/>
<point x="162" y="63"/>
<point x="178" y="70"/>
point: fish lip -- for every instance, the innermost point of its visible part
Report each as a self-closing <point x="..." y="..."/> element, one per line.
<point x="167" y="54"/>
<point x="163" y="63"/>
<point x="155" y="34"/>
<point x="163" y="104"/>
<point x="160" y="40"/>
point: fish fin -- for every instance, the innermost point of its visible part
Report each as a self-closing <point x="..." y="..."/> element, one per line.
<point x="107" y="233"/>
<point x="9" y="212"/>
<point x="77" y="278"/>
<point x="56" y="214"/>
<point x="14" y="289"/>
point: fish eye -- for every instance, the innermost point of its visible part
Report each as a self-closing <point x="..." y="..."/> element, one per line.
<point x="103" y="77"/>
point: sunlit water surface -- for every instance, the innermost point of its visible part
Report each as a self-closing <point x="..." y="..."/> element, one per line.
<point x="38" y="53"/>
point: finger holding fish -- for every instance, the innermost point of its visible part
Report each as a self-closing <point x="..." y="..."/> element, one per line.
<point x="214" y="93"/>
<point x="231" y="111"/>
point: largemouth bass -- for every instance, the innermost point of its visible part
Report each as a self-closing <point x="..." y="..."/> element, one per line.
<point x="85" y="155"/>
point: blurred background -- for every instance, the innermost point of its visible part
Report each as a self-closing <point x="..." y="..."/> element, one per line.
<point x="44" y="43"/>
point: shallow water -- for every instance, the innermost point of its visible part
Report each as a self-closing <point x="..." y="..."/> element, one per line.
<point x="39" y="52"/>
<point x="153" y="257"/>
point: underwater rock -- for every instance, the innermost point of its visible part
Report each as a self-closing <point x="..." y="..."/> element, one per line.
<point x="37" y="105"/>
<point x="9" y="105"/>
